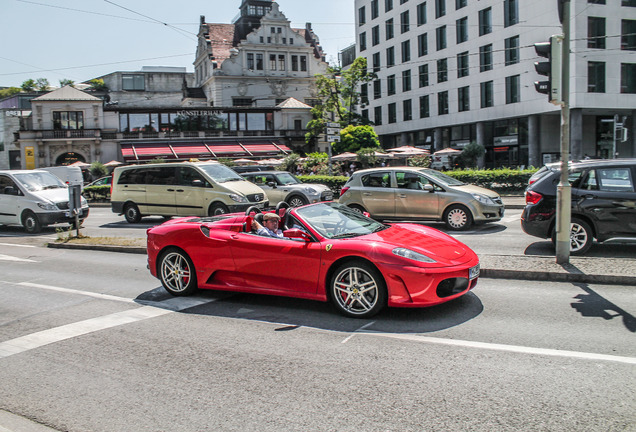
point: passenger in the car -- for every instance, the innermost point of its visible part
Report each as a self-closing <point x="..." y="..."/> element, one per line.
<point x="269" y="227"/>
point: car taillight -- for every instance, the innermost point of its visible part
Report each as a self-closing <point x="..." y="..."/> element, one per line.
<point x="533" y="197"/>
<point x="343" y="190"/>
<point x="531" y="181"/>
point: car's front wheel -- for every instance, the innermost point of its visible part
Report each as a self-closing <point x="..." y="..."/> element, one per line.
<point x="581" y="237"/>
<point x="31" y="223"/>
<point x="218" y="209"/>
<point x="458" y="218"/>
<point x="358" y="290"/>
<point x="177" y="272"/>
<point x="296" y="201"/>
<point x="357" y="208"/>
<point x="131" y="213"/>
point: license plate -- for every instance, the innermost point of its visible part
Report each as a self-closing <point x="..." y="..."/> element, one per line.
<point x="328" y="197"/>
<point x="473" y="272"/>
<point x="260" y="206"/>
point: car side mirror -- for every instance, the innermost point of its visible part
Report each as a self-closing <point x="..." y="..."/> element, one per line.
<point x="429" y="188"/>
<point x="11" y="190"/>
<point x="296" y="233"/>
<point x="198" y="183"/>
<point x="271" y="184"/>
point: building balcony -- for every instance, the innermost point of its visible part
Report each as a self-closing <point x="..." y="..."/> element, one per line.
<point x="174" y="135"/>
<point x="60" y="134"/>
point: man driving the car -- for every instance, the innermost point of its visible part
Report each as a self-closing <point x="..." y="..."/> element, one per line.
<point x="269" y="227"/>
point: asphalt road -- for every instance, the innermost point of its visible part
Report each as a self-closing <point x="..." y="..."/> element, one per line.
<point x="90" y="342"/>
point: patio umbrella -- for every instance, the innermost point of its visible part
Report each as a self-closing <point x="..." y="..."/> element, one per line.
<point x="346" y="156"/>
<point x="80" y="164"/>
<point x="113" y="163"/>
<point x="448" y="151"/>
<point x="408" y="149"/>
<point x="244" y="161"/>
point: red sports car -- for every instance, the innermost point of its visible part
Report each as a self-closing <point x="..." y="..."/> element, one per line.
<point x="329" y="253"/>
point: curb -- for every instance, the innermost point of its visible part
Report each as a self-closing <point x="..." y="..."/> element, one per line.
<point x="488" y="273"/>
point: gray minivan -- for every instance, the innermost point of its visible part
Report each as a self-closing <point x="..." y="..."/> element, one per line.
<point x="181" y="189"/>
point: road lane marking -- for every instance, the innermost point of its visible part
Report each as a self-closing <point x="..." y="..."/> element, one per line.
<point x="15" y="259"/>
<point x="78" y="292"/>
<point x="500" y="347"/>
<point x="364" y="327"/>
<point x="17" y="245"/>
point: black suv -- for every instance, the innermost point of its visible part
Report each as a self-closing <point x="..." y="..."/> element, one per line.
<point x="603" y="203"/>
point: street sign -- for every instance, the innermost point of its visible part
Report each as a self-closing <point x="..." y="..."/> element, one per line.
<point x="333" y="125"/>
<point x="333" y="131"/>
<point x="333" y="138"/>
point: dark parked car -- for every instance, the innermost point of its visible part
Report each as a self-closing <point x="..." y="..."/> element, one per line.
<point x="603" y="203"/>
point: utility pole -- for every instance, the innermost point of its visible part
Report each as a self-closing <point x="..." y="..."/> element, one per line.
<point x="564" y="197"/>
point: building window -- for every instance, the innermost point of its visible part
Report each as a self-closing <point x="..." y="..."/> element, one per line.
<point x="596" y="77"/>
<point x="376" y="62"/>
<point x="442" y="70"/>
<point x="424" y="107"/>
<point x="463" y="99"/>
<point x="377" y="115"/>
<point x="407" y="110"/>
<point x="389" y="29"/>
<point x="461" y="26"/>
<point x="630" y="3"/>
<point x="406" y="51"/>
<point x="403" y="1"/>
<point x="363" y="41"/>
<point x="440" y="8"/>
<point x="596" y="32"/>
<point x="377" y="89"/>
<point x="512" y="50"/>
<point x="405" y="22"/>
<point x="133" y="82"/>
<point x="441" y="37"/>
<point x="511" y="13"/>
<point x="422" y="44"/>
<point x="423" y="75"/>
<point x="596" y="1"/>
<point x="374" y="9"/>
<point x="628" y="78"/>
<point x="486" y="94"/>
<point x="628" y="35"/>
<point x="250" y="61"/>
<point x="392" y="113"/>
<point x="390" y="57"/>
<point x="442" y="103"/>
<point x="362" y="16"/>
<point x="364" y="94"/>
<point x="406" y="80"/>
<point x="241" y="101"/>
<point x="485" y="21"/>
<point x="462" y="64"/>
<point x="375" y="35"/>
<point x="390" y="85"/>
<point x="68" y="120"/>
<point x="421" y="14"/>
<point x="485" y="58"/>
<point x="512" y="89"/>
<point x="303" y="63"/>
<point x="388" y="5"/>
<point x="281" y="62"/>
<point x="272" y="62"/>
<point x="460" y="4"/>
<point x="294" y="63"/>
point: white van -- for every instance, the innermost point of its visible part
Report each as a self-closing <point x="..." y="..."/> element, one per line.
<point x="68" y="174"/>
<point x="34" y="199"/>
<point x="181" y="189"/>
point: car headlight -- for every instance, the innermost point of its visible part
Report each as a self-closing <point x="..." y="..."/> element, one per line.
<point x="483" y="199"/>
<point x="49" y="207"/>
<point x="412" y="255"/>
<point x="83" y="202"/>
<point x="310" y="190"/>
<point x="239" y="198"/>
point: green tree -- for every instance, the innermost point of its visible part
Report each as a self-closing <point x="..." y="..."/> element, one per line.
<point x="4" y="93"/>
<point x="423" y="161"/>
<point x="42" y="84"/>
<point x="98" y="170"/>
<point x="97" y="85"/>
<point x="366" y="157"/>
<point x="28" y="85"/>
<point x="354" y="138"/>
<point x="64" y="82"/>
<point x="290" y="162"/>
<point x="471" y="153"/>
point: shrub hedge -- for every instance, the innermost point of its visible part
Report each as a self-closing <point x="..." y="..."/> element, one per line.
<point x="97" y="193"/>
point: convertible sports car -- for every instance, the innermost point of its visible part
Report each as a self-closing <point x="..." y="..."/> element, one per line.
<point x="329" y="253"/>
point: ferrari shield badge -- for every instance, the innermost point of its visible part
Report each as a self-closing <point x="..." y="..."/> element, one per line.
<point x="329" y="246"/>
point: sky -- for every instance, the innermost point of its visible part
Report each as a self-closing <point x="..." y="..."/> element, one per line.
<point x="84" y="39"/>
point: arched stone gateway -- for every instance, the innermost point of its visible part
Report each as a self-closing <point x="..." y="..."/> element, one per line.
<point x="69" y="158"/>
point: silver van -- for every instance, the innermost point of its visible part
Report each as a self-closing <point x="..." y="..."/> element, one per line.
<point x="181" y="189"/>
<point x="409" y="193"/>
<point x="35" y="199"/>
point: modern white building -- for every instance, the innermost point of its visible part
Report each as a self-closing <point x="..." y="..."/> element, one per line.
<point x="455" y="71"/>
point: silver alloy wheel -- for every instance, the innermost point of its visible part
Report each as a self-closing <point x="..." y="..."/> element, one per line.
<point x="296" y="201"/>
<point x="176" y="273"/>
<point x="579" y="237"/>
<point x="355" y="290"/>
<point x="457" y="218"/>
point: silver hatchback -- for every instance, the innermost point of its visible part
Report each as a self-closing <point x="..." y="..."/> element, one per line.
<point x="284" y="186"/>
<point x="411" y="193"/>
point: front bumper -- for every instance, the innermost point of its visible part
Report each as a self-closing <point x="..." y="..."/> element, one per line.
<point x="488" y="213"/>
<point x="62" y="216"/>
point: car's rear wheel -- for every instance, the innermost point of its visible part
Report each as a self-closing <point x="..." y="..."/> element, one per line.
<point x="357" y="208"/>
<point x="458" y="218"/>
<point x="581" y="237"/>
<point x="296" y="201"/>
<point x="358" y="290"/>
<point x="132" y="214"/>
<point x="217" y="209"/>
<point x="31" y="223"/>
<point x="177" y="273"/>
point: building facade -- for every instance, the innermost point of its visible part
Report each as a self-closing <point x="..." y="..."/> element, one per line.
<point x="451" y="72"/>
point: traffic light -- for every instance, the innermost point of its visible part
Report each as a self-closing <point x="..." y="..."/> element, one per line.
<point x="551" y="50"/>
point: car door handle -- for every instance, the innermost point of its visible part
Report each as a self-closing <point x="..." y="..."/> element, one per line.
<point x="367" y="193"/>
<point x="170" y="190"/>
<point x="589" y="196"/>
<point x="179" y="190"/>
<point x="402" y="195"/>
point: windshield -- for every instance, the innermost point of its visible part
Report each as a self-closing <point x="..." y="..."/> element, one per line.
<point x="220" y="173"/>
<point x="332" y="220"/>
<point x="287" y="179"/>
<point x="443" y="178"/>
<point x="37" y="181"/>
